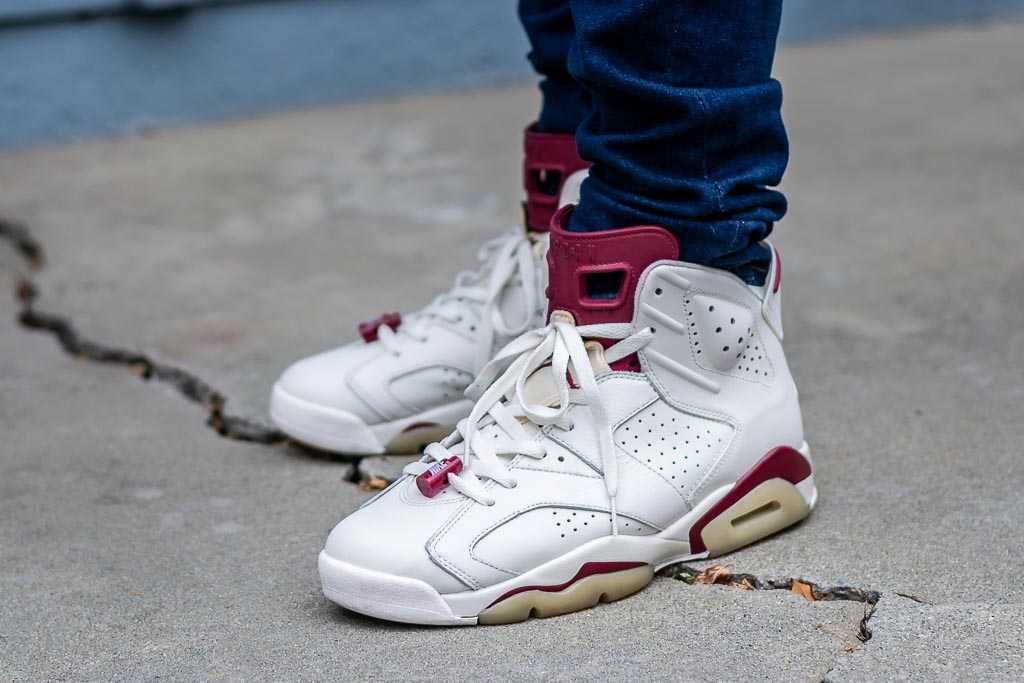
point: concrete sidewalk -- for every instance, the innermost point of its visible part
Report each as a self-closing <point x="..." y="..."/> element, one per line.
<point x="135" y="542"/>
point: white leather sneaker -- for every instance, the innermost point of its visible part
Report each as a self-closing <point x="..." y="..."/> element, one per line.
<point x="629" y="433"/>
<point x="401" y="386"/>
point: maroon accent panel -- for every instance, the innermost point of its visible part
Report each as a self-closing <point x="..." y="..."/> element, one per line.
<point x="573" y="256"/>
<point x="782" y="462"/>
<point x="630" y="363"/>
<point x="368" y="330"/>
<point x="588" y="569"/>
<point x="549" y="159"/>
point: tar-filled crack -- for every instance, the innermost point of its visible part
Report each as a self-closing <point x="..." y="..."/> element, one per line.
<point x="71" y="341"/>
<point x="869" y="598"/>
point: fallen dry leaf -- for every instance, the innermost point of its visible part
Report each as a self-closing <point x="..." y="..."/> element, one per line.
<point x="716" y="573"/>
<point x="803" y="590"/>
<point x="373" y="484"/>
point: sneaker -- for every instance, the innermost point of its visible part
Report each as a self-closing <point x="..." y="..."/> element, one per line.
<point x="629" y="433"/>
<point x="401" y="385"/>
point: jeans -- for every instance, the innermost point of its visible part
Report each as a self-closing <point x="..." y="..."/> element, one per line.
<point x="673" y="102"/>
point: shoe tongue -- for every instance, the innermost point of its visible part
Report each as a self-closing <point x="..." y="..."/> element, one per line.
<point x="594" y="275"/>
<point x="540" y="387"/>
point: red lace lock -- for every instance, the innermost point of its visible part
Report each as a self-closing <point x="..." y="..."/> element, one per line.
<point x="434" y="480"/>
<point x="368" y="330"/>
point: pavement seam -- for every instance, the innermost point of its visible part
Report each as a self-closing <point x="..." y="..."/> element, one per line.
<point x="187" y="384"/>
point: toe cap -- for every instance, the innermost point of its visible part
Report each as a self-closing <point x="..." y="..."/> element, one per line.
<point x="382" y="538"/>
<point x="321" y="379"/>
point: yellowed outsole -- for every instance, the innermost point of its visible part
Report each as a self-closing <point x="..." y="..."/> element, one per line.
<point x="412" y="441"/>
<point x="583" y="594"/>
<point x="768" y="508"/>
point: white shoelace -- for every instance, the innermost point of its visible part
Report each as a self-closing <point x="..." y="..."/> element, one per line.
<point x="479" y="294"/>
<point x="494" y="427"/>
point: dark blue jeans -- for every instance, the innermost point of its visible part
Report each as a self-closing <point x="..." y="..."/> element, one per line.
<point x="674" y="103"/>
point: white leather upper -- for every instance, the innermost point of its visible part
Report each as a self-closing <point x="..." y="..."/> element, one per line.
<point x="714" y="395"/>
<point x="430" y="366"/>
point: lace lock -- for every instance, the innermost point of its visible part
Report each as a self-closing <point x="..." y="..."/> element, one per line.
<point x="434" y="480"/>
<point x="368" y="329"/>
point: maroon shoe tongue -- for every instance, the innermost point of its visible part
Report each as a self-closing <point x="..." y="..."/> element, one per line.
<point x="549" y="159"/>
<point x="581" y="264"/>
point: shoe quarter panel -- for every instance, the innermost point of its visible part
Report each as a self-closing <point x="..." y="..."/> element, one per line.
<point x="643" y="493"/>
<point x="453" y="545"/>
<point x="677" y="447"/>
<point x="714" y="356"/>
<point x="372" y="380"/>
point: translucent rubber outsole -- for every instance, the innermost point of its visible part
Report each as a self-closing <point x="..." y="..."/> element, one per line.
<point x="767" y="509"/>
<point x="583" y="594"/>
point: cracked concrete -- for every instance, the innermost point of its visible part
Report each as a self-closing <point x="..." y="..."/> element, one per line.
<point x="188" y="385"/>
<point x="136" y="543"/>
<point x="810" y="591"/>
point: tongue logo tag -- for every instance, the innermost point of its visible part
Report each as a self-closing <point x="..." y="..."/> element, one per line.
<point x="435" y="479"/>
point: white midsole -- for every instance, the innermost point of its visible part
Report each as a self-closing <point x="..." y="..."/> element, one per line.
<point x="404" y="599"/>
<point x="340" y="431"/>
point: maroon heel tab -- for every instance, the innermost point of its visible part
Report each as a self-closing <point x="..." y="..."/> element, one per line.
<point x="548" y="160"/>
<point x="620" y="253"/>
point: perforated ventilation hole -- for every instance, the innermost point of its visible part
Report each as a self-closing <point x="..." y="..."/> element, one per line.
<point x="735" y="338"/>
<point x="676" y="444"/>
<point x="576" y="523"/>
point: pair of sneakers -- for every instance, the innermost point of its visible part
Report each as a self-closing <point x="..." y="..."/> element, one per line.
<point x="573" y="444"/>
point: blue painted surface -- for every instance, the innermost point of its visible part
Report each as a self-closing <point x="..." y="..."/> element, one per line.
<point x="119" y="74"/>
<point x="62" y="80"/>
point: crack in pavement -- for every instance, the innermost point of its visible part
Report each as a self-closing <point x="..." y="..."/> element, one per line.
<point x="717" y="575"/>
<point x="721" y="576"/>
<point x="63" y="330"/>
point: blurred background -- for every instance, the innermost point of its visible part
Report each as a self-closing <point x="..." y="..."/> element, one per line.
<point x="80" y="68"/>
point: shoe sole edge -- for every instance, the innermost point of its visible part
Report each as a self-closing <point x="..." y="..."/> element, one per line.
<point x="339" y="431"/>
<point x="561" y="585"/>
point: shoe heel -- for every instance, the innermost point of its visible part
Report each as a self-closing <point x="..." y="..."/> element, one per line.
<point x="768" y="508"/>
<point x="776" y="493"/>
